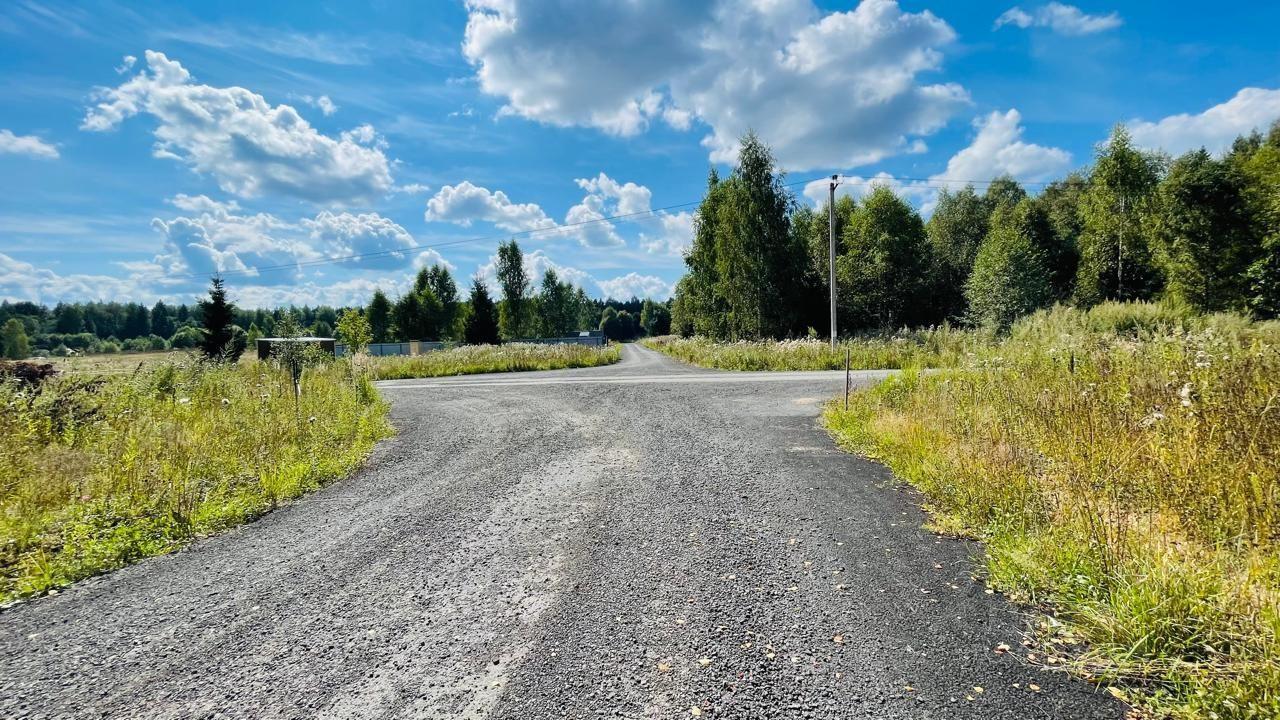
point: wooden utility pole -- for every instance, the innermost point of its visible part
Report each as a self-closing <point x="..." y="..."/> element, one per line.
<point x="831" y="276"/>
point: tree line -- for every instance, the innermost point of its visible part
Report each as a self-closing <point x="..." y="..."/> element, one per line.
<point x="28" y="328"/>
<point x="1197" y="230"/>
<point x="431" y="309"/>
<point x="551" y="307"/>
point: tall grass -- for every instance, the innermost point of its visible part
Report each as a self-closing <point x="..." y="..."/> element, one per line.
<point x="511" y="357"/>
<point x="1123" y="465"/>
<point x="933" y="347"/>
<point x="98" y="472"/>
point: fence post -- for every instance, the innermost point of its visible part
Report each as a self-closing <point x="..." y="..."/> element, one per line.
<point x="847" y="352"/>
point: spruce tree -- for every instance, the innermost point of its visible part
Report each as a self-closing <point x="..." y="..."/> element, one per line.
<point x="380" y="317"/>
<point x="217" y="319"/>
<point x="161" y="320"/>
<point x="482" y="322"/>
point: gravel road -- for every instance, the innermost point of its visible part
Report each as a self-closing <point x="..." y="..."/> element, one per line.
<point x="642" y="540"/>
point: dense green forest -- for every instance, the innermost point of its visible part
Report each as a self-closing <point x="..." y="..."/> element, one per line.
<point x="1199" y="231"/>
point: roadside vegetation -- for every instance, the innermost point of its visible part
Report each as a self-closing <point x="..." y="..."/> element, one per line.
<point x="510" y="357"/>
<point x="929" y="347"/>
<point x="1108" y="418"/>
<point x="99" y="471"/>
<point x="1122" y="466"/>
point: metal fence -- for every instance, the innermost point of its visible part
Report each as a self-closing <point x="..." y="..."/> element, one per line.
<point x="418" y="347"/>
<point x="397" y="348"/>
<point x="596" y="340"/>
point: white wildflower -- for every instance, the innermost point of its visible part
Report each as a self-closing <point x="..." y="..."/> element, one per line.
<point x="1187" y="394"/>
<point x="184" y="401"/>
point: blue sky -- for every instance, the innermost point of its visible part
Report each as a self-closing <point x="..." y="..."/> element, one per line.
<point x="144" y="146"/>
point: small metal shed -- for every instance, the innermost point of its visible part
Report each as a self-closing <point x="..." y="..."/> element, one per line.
<point x="265" y="344"/>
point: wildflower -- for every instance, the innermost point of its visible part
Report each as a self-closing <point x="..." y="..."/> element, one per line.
<point x="1187" y="394"/>
<point x="184" y="401"/>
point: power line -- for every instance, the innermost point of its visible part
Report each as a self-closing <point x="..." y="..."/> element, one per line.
<point x="561" y="228"/>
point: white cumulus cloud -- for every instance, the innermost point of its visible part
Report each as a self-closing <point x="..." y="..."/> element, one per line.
<point x="1060" y="18"/>
<point x="465" y="203"/>
<point x="1251" y="109"/>
<point x="378" y="241"/>
<point x="248" y="145"/>
<point x="588" y="221"/>
<point x="998" y="149"/>
<point x="535" y="264"/>
<point x="23" y="281"/>
<point x="25" y="145"/>
<point x="823" y="89"/>
<point x="634" y="284"/>
<point x="672" y="235"/>
<point x="218" y="236"/>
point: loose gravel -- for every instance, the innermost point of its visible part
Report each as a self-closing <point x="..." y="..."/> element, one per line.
<point x="631" y="549"/>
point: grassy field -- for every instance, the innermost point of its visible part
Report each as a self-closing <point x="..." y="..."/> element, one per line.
<point x="114" y="363"/>
<point x="471" y="359"/>
<point x="97" y="471"/>
<point x="936" y="347"/>
<point x="1123" y="467"/>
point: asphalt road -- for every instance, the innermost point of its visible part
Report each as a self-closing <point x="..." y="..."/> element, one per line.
<point x="632" y="541"/>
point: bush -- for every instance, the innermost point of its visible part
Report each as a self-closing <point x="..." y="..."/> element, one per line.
<point x="151" y="343"/>
<point x="186" y="338"/>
